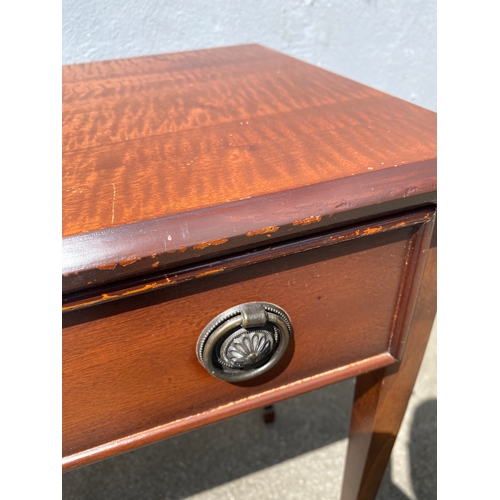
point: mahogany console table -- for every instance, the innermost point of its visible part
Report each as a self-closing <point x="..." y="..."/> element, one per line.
<point x="240" y="227"/>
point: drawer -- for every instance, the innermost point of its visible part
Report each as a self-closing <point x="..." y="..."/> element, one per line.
<point x="130" y="371"/>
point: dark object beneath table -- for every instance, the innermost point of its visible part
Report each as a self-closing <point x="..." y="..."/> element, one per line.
<point x="269" y="414"/>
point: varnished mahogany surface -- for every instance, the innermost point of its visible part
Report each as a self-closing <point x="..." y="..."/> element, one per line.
<point x="180" y="157"/>
<point x="381" y="397"/>
<point x="167" y="278"/>
<point x="130" y="370"/>
<point x="196" y="181"/>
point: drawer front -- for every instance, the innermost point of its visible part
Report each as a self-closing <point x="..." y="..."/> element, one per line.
<point x="130" y="370"/>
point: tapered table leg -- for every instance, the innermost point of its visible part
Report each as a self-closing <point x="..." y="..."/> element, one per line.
<point x="381" y="398"/>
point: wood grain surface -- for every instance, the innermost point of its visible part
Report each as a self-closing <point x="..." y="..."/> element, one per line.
<point x="130" y="373"/>
<point x="381" y="397"/>
<point x="191" y="155"/>
<point x="162" y="278"/>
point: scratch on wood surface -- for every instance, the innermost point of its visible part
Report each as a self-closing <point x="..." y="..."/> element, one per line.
<point x="113" y="206"/>
<point x="411" y="191"/>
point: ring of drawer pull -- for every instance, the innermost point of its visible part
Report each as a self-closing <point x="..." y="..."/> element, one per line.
<point x="244" y="341"/>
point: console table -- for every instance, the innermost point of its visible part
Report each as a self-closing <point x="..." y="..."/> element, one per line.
<point x="240" y="227"/>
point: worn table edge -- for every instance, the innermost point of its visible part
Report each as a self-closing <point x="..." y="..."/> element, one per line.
<point x="93" y="258"/>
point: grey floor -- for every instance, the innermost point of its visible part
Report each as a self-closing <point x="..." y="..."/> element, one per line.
<point x="299" y="456"/>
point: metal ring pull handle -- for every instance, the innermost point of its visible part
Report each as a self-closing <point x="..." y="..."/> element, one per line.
<point x="244" y="341"/>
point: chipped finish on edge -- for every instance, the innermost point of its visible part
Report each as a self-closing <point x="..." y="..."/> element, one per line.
<point x="297" y="201"/>
<point x="201" y="246"/>
<point x="107" y="296"/>
<point x="106" y="266"/>
<point x="307" y="220"/>
<point x="173" y="277"/>
<point x="127" y="262"/>
<point x="209" y="272"/>
<point x="373" y="230"/>
<point x="180" y="249"/>
<point x="270" y="229"/>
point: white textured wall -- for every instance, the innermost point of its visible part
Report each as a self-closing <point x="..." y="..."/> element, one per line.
<point x="387" y="44"/>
